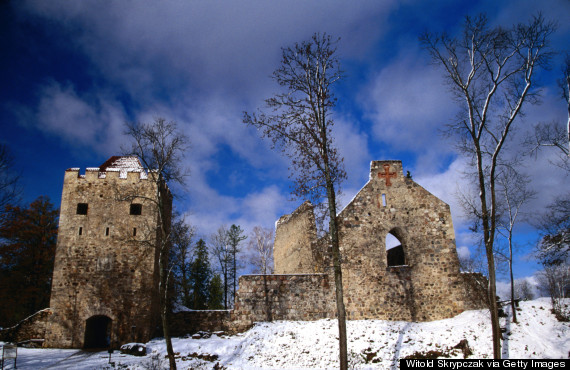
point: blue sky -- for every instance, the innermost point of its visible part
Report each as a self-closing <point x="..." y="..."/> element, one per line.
<point x="74" y="72"/>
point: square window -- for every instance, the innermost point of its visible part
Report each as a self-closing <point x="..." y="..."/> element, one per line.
<point x="136" y="209"/>
<point x="82" y="208"/>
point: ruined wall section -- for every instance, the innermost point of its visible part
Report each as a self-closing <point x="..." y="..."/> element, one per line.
<point x="295" y="248"/>
<point x="31" y="329"/>
<point x="189" y="322"/>
<point x="303" y="297"/>
<point x="101" y="266"/>
<point x="428" y="287"/>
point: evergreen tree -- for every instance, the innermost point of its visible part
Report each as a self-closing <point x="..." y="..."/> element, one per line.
<point x="27" y="251"/>
<point x="216" y="291"/>
<point x="235" y="237"/>
<point x="200" y="277"/>
<point x="180" y="259"/>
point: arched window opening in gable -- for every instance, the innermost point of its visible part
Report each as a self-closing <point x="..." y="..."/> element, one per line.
<point x="394" y="250"/>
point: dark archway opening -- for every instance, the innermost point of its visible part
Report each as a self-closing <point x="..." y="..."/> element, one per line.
<point x="395" y="250"/>
<point x="97" y="332"/>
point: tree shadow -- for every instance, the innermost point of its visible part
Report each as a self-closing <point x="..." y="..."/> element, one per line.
<point x="268" y="300"/>
<point x="505" y="347"/>
<point x="394" y="363"/>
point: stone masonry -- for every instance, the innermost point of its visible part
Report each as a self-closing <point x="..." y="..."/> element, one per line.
<point x="104" y="287"/>
<point x="105" y="281"/>
<point x="426" y="286"/>
<point x="295" y="248"/>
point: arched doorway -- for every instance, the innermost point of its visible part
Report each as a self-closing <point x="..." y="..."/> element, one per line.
<point x="97" y="332"/>
<point x="395" y="254"/>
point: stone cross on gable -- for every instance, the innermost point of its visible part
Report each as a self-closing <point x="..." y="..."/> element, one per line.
<point x="387" y="174"/>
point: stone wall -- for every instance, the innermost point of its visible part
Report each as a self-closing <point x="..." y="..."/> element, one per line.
<point x="283" y="297"/>
<point x="428" y="285"/>
<point x="106" y="257"/>
<point x="190" y="322"/>
<point x="294" y="249"/>
<point x="32" y="327"/>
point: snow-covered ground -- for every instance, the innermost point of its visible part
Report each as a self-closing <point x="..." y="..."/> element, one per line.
<point x="372" y="344"/>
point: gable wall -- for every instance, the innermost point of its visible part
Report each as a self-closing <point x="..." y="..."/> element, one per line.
<point x="429" y="287"/>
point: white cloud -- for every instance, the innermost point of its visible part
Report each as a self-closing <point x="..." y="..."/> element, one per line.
<point x="463" y="252"/>
<point x="408" y="104"/>
<point x="205" y="46"/>
<point x="210" y="210"/>
<point x="87" y="121"/>
<point x="447" y="186"/>
<point x="353" y="147"/>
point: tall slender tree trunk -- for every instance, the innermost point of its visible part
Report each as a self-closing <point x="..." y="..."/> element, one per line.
<point x="235" y="273"/>
<point x="226" y="287"/>
<point x="162" y="193"/>
<point x="568" y="105"/>
<point x="513" y="308"/>
<point x="488" y="240"/>
<point x="163" y="291"/>
<point x="493" y="307"/>
<point x="339" y="292"/>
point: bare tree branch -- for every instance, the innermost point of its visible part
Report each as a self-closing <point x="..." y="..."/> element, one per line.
<point x="300" y="125"/>
<point x="491" y="71"/>
<point x="160" y="147"/>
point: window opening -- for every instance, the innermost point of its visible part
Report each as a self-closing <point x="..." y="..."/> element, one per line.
<point x="80" y="231"/>
<point x="394" y="251"/>
<point x="82" y="208"/>
<point x="107" y="232"/>
<point x="136" y="209"/>
<point x="384" y="200"/>
<point x="134" y="231"/>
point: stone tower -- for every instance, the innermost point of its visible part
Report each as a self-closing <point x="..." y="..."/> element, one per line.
<point x="105" y="281"/>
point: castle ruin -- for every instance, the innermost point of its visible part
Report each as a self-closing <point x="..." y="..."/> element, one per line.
<point x="104" y="289"/>
<point x="105" y="281"/>
<point x="418" y="280"/>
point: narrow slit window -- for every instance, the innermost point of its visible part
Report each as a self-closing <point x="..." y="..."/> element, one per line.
<point x="82" y="208"/>
<point x="384" y="200"/>
<point x="134" y="231"/>
<point x="107" y="231"/>
<point x="136" y="209"/>
<point x="80" y="231"/>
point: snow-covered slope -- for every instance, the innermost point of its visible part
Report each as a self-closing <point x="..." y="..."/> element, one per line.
<point x="373" y="344"/>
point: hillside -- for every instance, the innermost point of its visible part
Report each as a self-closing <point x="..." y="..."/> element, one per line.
<point x="373" y="344"/>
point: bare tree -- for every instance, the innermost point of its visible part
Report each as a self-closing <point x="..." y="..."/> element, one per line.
<point x="554" y="246"/>
<point x="552" y="134"/>
<point x="564" y="83"/>
<point x="220" y="249"/>
<point x="514" y="194"/>
<point x="160" y="147"/>
<point x="300" y="124"/>
<point x="491" y="72"/>
<point x="261" y="250"/>
<point x="556" y="280"/>
<point x="235" y="237"/>
<point x="523" y="290"/>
